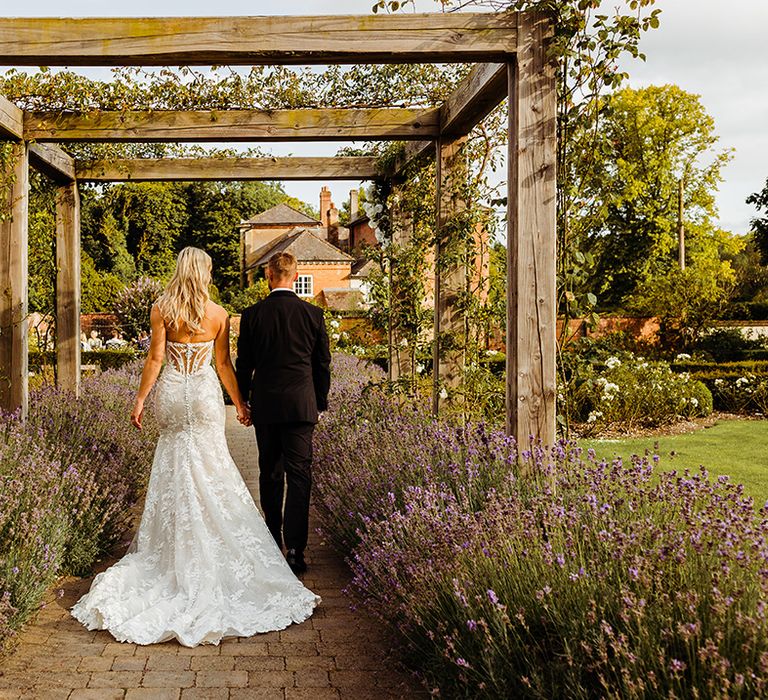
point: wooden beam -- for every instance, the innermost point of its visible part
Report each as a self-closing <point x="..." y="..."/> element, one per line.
<point x="450" y="277"/>
<point x="11" y="120"/>
<point x="474" y="98"/>
<point x="52" y="161"/>
<point x="14" y="338"/>
<point x="68" y="287"/>
<point x="162" y="41"/>
<point x="235" y="125"/>
<point x="334" y="168"/>
<point x="531" y="238"/>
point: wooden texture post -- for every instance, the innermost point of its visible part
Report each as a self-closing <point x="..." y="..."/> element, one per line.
<point x="14" y="339"/>
<point x="450" y="275"/>
<point x="531" y="238"/>
<point x="402" y="234"/>
<point x="68" y="287"/>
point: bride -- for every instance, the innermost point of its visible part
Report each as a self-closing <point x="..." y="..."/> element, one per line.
<point x="203" y="564"/>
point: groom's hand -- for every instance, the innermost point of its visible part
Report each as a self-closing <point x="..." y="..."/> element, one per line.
<point x="244" y="414"/>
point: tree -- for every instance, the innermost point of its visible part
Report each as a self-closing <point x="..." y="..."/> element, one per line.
<point x="760" y="223"/>
<point x="649" y="139"/>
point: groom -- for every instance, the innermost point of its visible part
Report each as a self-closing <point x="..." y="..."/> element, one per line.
<point x="283" y="365"/>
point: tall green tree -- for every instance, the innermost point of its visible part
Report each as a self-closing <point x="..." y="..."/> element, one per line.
<point x="650" y="140"/>
<point x="760" y="223"/>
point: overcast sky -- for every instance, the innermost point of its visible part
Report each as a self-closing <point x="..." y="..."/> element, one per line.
<point x="708" y="47"/>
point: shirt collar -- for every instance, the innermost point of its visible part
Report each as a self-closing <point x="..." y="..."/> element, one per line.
<point x="282" y="289"/>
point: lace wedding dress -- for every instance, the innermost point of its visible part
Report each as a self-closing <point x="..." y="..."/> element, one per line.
<point x="203" y="564"/>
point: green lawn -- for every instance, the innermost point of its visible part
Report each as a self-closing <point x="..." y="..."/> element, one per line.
<point x="738" y="448"/>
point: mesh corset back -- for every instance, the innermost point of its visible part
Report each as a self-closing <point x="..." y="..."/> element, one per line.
<point x="188" y="358"/>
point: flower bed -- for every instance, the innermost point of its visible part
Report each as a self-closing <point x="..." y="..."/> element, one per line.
<point x="629" y="391"/>
<point x="68" y="477"/>
<point x="543" y="574"/>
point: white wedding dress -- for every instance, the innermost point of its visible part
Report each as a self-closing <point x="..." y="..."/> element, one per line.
<point x="203" y="564"/>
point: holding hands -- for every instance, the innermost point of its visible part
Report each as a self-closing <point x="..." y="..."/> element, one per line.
<point x="244" y="414"/>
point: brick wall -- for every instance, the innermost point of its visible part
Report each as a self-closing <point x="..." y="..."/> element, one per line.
<point x="326" y="275"/>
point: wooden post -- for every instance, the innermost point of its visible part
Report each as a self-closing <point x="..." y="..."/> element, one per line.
<point x="14" y="339"/>
<point x="68" y="287"/>
<point x="402" y="229"/>
<point x="531" y="238"/>
<point x="450" y="277"/>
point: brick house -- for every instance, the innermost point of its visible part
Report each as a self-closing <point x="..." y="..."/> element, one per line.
<point x="321" y="266"/>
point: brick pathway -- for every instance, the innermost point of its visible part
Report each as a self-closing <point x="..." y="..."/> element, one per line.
<point x="336" y="654"/>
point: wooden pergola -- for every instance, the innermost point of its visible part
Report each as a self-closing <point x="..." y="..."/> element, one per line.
<point x="509" y="53"/>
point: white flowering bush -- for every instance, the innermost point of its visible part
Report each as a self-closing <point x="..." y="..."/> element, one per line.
<point x="744" y="394"/>
<point x="629" y="392"/>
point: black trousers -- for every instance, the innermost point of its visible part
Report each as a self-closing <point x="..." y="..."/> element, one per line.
<point x="285" y="456"/>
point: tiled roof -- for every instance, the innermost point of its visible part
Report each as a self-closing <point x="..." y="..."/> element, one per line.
<point x="359" y="219"/>
<point x="305" y="245"/>
<point x="363" y="268"/>
<point x="281" y="214"/>
<point x="343" y="299"/>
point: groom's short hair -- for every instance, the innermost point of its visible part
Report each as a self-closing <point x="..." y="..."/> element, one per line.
<point x="282" y="265"/>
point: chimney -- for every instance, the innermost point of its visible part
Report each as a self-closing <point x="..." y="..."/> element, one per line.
<point x="353" y="204"/>
<point x="333" y="216"/>
<point x="325" y="205"/>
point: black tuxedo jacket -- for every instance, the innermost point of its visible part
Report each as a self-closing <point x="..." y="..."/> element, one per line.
<point x="283" y="359"/>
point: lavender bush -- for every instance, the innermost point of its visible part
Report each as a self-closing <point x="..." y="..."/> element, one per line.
<point x="544" y="573"/>
<point x="68" y="477"/>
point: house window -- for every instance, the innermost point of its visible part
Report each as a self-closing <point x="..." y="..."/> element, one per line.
<point x="303" y="286"/>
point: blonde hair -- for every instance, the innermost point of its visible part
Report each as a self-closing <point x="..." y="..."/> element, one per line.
<point x="282" y="265"/>
<point x="184" y="299"/>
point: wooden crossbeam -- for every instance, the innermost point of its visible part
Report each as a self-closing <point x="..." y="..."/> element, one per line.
<point x="52" y="161"/>
<point x="398" y="38"/>
<point x="11" y="120"/>
<point x="334" y="168"/>
<point x="472" y="100"/>
<point x="235" y="125"/>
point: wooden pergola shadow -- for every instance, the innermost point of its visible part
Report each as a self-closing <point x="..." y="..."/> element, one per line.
<point x="509" y="51"/>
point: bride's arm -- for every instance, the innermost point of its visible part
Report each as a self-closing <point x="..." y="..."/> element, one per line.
<point x="152" y="365"/>
<point x="227" y="372"/>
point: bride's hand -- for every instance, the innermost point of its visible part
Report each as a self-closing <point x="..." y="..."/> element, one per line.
<point x="137" y="413"/>
<point x="244" y="414"/>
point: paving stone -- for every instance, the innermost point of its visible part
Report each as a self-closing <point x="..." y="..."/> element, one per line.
<point x="311" y="678"/>
<point x="118" y="649"/>
<point x="168" y="662"/>
<point x="212" y="663"/>
<point x="168" y="679"/>
<point x="221" y="679"/>
<point x="115" y="679"/>
<point x="311" y="694"/>
<point x="299" y="663"/>
<point x="152" y="694"/>
<point x="46" y="694"/>
<point x="129" y="663"/>
<point x="270" y="679"/>
<point x="97" y="694"/>
<point x="58" y="679"/>
<point x="205" y="694"/>
<point x="260" y="663"/>
<point x="95" y="663"/>
<point x="293" y="649"/>
<point x="256" y="694"/>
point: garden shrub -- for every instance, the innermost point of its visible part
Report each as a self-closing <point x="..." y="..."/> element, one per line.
<point x="631" y="392"/>
<point x="102" y="359"/>
<point x="68" y="478"/>
<point x="540" y="573"/>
